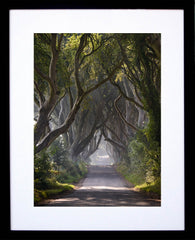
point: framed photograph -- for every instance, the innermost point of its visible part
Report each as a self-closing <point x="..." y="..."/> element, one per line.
<point x="97" y="119"/>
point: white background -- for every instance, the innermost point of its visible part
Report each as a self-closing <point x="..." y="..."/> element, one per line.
<point x="23" y="24"/>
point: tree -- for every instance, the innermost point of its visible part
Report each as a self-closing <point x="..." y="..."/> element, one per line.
<point x="141" y="54"/>
<point x="46" y="106"/>
<point x="91" y="88"/>
<point x="58" y="153"/>
<point x="44" y="138"/>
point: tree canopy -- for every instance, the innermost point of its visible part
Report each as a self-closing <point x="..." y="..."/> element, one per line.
<point x="92" y="86"/>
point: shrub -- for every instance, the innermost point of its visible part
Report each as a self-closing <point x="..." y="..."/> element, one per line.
<point x="64" y="177"/>
<point x="42" y="167"/>
<point x="72" y="173"/>
<point x="57" y="188"/>
<point x="136" y="153"/>
<point x="144" y="158"/>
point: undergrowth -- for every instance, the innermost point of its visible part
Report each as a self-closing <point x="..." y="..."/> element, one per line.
<point x="139" y="181"/>
<point x="51" y="179"/>
<point x="57" y="189"/>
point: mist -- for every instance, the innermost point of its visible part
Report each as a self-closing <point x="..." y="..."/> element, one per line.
<point x="101" y="157"/>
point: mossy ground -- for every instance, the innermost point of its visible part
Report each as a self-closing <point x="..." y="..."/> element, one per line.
<point x="57" y="189"/>
<point x="57" y="182"/>
<point x="139" y="182"/>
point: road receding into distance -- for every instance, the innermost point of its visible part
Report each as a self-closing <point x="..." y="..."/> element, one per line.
<point x="103" y="186"/>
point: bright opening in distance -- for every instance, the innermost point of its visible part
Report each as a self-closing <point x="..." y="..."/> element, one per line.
<point x="101" y="157"/>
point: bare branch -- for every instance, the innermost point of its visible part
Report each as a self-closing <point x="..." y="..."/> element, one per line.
<point x="70" y="97"/>
<point x="106" y="79"/>
<point x="121" y="115"/>
<point x="82" y="44"/>
<point x="41" y="97"/>
<point x="87" y="55"/>
<point x="113" y="142"/>
<point x="125" y="96"/>
<point x="126" y="60"/>
<point x="113" y="132"/>
<point x="41" y="74"/>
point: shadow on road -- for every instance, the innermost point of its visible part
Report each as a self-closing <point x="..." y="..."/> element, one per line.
<point x="103" y="187"/>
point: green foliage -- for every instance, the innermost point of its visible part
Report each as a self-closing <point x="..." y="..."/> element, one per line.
<point x="119" y="76"/>
<point x="38" y="196"/>
<point x="136" y="153"/>
<point x="82" y="168"/>
<point x="142" y="167"/>
<point x="141" y="182"/>
<point x="57" y="189"/>
<point x="42" y="57"/>
<point x="54" y="171"/>
<point x="72" y="173"/>
<point x="153" y="132"/>
<point x="141" y="67"/>
<point x="87" y="103"/>
<point x="42" y="167"/>
<point x="57" y="154"/>
<point x="154" y="187"/>
<point x="145" y="157"/>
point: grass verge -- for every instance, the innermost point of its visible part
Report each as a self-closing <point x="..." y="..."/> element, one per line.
<point x="58" y="188"/>
<point x="58" y="182"/>
<point x="153" y="187"/>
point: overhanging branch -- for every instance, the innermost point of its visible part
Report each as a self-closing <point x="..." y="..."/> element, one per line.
<point x="41" y="74"/>
<point x="130" y="99"/>
<point x="121" y="115"/>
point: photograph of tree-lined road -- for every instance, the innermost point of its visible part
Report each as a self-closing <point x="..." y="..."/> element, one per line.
<point x="97" y="118"/>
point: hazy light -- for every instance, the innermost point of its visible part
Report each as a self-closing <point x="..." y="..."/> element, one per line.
<point x="105" y="156"/>
<point x="101" y="157"/>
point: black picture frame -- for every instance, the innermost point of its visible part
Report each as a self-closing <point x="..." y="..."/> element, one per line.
<point x="188" y="7"/>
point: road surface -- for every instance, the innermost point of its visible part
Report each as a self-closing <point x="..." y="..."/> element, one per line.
<point x="103" y="187"/>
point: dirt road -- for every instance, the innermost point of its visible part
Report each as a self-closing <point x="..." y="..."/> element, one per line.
<point x="103" y="187"/>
